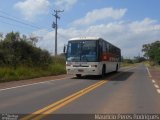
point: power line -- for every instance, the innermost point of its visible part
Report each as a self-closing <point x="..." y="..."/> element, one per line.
<point x="9" y="23"/>
<point x="15" y="18"/>
<point x="18" y="20"/>
<point x="5" y="13"/>
<point x="16" y="25"/>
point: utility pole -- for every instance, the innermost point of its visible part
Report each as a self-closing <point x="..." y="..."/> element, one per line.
<point x="55" y="26"/>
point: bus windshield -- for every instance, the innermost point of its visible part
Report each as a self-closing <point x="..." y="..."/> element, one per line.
<point x="82" y="51"/>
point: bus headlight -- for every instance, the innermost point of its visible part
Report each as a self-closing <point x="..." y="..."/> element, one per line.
<point x="68" y="65"/>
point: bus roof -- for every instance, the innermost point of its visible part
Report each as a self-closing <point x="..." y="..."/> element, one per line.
<point x="86" y="38"/>
<point x="90" y="38"/>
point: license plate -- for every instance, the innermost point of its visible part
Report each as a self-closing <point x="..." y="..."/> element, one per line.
<point x="80" y="70"/>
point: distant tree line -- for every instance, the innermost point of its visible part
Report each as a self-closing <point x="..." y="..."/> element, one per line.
<point x="19" y="50"/>
<point x="136" y="59"/>
<point x="152" y="51"/>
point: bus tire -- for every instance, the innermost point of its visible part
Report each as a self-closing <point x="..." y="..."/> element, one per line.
<point x="103" y="71"/>
<point x="116" y="68"/>
<point x="78" y="75"/>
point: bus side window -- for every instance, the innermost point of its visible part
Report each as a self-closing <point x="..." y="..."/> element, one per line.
<point x="104" y="47"/>
<point x="107" y="47"/>
<point x="117" y="52"/>
<point x="114" y="50"/>
<point x="110" y="48"/>
<point x="100" y="46"/>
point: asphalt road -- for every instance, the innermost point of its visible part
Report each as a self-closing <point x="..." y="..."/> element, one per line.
<point x="128" y="91"/>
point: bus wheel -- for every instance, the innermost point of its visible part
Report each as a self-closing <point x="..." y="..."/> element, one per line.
<point x="103" y="71"/>
<point x="78" y="75"/>
<point x="116" y="68"/>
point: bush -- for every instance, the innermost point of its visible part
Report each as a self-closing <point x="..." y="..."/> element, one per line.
<point x="21" y="59"/>
<point x="152" y="51"/>
<point x="18" y="51"/>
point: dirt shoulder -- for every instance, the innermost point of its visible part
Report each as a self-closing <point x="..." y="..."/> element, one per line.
<point x="31" y="81"/>
<point x="155" y="73"/>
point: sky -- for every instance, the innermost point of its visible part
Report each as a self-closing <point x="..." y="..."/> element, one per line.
<point x="124" y="23"/>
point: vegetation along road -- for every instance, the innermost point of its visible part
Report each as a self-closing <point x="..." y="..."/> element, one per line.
<point x="131" y="90"/>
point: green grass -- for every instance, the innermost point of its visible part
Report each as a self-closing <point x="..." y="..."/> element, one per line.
<point x="147" y="63"/>
<point x="151" y="64"/>
<point x="24" y="72"/>
<point x="157" y="67"/>
<point x="57" y="69"/>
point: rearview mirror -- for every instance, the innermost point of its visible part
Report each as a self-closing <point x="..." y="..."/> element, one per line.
<point x="64" y="49"/>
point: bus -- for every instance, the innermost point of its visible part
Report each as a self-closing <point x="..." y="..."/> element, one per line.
<point x="91" y="56"/>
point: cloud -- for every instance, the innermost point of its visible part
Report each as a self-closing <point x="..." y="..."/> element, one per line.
<point x="129" y="36"/>
<point x="32" y="8"/>
<point x="146" y="25"/>
<point x="100" y="14"/>
<point x="65" y="4"/>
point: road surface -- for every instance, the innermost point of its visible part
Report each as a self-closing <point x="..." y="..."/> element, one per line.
<point x="129" y="91"/>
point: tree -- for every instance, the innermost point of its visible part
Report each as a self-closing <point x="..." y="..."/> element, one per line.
<point x="138" y="59"/>
<point x="1" y="36"/>
<point x="16" y="50"/>
<point x="11" y="37"/>
<point x="145" y="49"/>
<point x="152" y="51"/>
<point x="33" y="39"/>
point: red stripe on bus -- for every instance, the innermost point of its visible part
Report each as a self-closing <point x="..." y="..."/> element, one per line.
<point x="109" y="57"/>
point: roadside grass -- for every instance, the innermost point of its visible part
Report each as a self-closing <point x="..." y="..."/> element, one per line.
<point x="57" y="69"/>
<point x="152" y="65"/>
<point x="22" y="72"/>
<point x="157" y="67"/>
<point x="9" y="74"/>
<point x="149" y="63"/>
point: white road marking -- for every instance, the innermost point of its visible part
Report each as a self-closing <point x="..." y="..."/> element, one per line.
<point x="153" y="81"/>
<point x="148" y="72"/>
<point x="156" y="86"/>
<point x="32" y="84"/>
<point x="158" y="90"/>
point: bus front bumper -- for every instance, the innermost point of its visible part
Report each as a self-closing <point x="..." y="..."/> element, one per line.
<point x="83" y="70"/>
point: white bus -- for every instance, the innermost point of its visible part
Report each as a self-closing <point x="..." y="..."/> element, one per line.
<point x="91" y="56"/>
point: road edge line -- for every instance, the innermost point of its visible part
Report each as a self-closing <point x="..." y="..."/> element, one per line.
<point x="148" y="72"/>
<point x="32" y="84"/>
